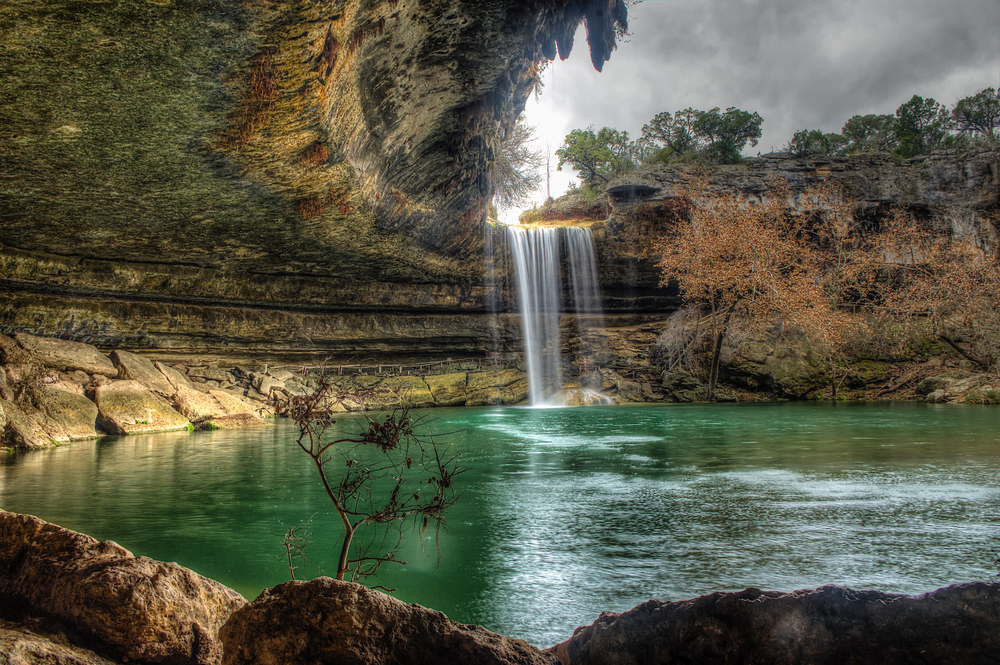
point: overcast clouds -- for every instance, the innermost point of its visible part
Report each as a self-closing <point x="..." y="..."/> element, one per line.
<point x="799" y="63"/>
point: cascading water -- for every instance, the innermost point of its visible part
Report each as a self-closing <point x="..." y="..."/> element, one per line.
<point x="583" y="273"/>
<point x="535" y="253"/>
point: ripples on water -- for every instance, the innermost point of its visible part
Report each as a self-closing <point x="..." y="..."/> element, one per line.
<point x="568" y="512"/>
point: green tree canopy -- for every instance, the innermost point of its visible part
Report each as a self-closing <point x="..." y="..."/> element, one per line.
<point x="727" y="133"/>
<point x="596" y="156"/>
<point x="674" y="131"/>
<point x="870" y="133"/>
<point x="979" y="114"/>
<point x="814" y="142"/>
<point x="717" y="135"/>
<point x="921" y="125"/>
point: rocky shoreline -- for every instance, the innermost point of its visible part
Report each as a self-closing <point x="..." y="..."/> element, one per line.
<point x="54" y="391"/>
<point x="72" y="600"/>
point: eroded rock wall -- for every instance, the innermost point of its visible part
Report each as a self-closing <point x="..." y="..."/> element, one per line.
<point x="186" y="168"/>
<point x="950" y="190"/>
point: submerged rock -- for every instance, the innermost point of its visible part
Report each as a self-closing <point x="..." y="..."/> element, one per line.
<point x="101" y="596"/>
<point x="830" y="625"/>
<point x="232" y="422"/>
<point x="328" y="621"/>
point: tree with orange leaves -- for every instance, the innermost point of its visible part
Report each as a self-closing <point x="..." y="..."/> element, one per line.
<point x="755" y="260"/>
<point x="921" y="277"/>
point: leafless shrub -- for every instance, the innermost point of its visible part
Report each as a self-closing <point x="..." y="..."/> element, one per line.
<point x="380" y="479"/>
<point x="678" y="345"/>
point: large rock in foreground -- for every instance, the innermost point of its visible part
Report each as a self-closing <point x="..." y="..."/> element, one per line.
<point x="70" y="409"/>
<point x="327" y="621"/>
<point x="20" y="646"/>
<point x="830" y="625"/>
<point x="101" y="596"/>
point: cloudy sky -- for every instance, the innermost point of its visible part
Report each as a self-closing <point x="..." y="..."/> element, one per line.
<point x="799" y="63"/>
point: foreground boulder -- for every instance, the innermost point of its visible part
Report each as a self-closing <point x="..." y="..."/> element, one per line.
<point x="21" y="646"/>
<point x="830" y="625"/>
<point x="25" y="427"/>
<point x="327" y="621"/>
<point x="102" y="597"/>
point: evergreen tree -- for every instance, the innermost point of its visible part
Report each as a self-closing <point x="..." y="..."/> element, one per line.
<point x="979" y="114"/>
<point x="921" y="126"/>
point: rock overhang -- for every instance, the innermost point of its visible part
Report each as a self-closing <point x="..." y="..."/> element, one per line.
<point x="307" y="137"/>
<point x="208" y="162"/>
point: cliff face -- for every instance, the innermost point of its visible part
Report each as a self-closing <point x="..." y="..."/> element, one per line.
<point x="959" y="192"/>
<point x="170" y="165"/>
<point x="948" y="189"/>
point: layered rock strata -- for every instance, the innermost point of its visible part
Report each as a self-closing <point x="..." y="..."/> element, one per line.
<point x="226" y="175"/>
<point x="949" y="190"/>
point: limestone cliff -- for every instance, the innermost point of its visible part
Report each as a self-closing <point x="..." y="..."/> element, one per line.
<point x="214" y="173"/>
<point x="959" y="191"/>
<point x="949" y="190"/>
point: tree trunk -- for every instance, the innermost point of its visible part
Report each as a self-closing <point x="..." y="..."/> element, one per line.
<point x="979" y="361"/>
<point x="344" y="551"/>
<point x="713" y="375"/>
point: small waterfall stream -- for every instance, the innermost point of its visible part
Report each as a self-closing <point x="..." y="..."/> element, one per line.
<point x="538" y="276"/>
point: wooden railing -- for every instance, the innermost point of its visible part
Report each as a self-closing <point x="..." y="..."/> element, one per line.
<point x="464" y="364"/>
<point x="398" y="369"/>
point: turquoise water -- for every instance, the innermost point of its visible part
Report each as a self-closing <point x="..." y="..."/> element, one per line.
<point x="569" y="512"/>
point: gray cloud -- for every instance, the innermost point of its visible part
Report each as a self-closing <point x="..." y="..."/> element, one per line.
<point x="799" y="63"/>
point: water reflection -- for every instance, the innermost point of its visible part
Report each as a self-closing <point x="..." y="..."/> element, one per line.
<point x="568" y="512"/>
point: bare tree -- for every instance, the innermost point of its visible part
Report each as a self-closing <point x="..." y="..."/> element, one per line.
<point x="379" y="479"/>
<point x="515" y="176"/>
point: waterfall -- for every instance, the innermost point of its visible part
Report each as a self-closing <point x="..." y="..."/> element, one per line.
<point x="538" y="276"/>
<point x="583" y="273"/>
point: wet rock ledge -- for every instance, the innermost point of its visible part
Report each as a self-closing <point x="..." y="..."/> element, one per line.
<point x="66" y="598"/>
<point x="53" y="391"/>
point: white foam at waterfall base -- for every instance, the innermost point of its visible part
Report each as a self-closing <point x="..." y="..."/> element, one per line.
<point x="538" y="276"/>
